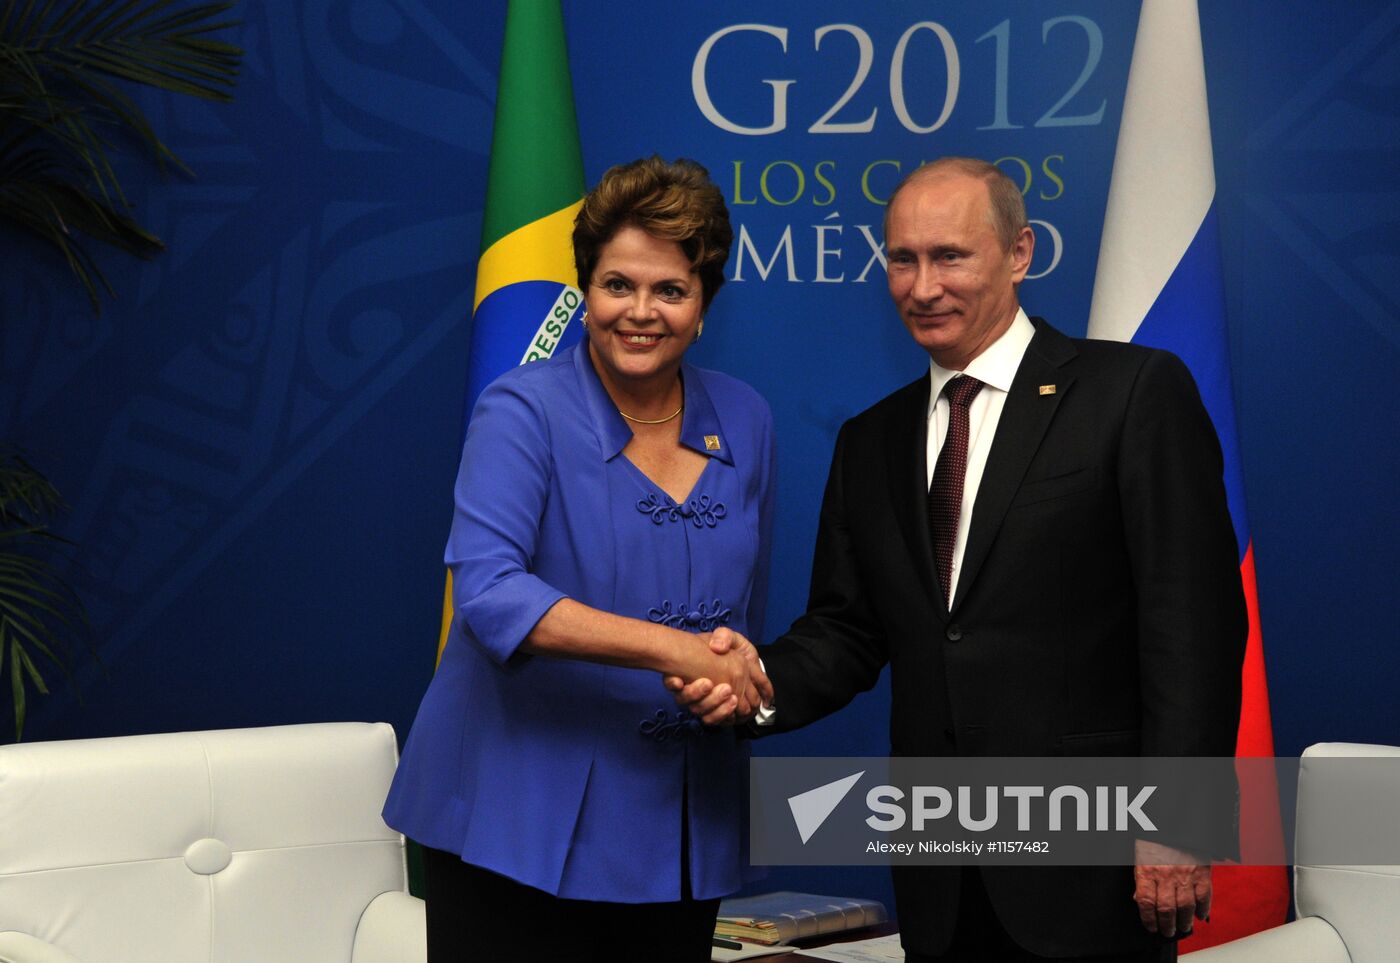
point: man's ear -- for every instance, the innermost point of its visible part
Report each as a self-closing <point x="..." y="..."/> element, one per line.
<point x="1022" y="249"/>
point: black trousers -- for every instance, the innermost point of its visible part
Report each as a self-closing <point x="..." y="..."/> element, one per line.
<point x="477" y="915"/>
<point x="980" y="937"/>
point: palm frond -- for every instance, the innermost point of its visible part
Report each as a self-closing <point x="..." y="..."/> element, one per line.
<point x="22" y="487"/>
<point x="40" y="614"/>
<point x="63" y="67"/>
<point x="35" y="199"/>
<point x="141" y="40"/>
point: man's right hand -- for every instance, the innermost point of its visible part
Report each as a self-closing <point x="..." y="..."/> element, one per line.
<point x="1171" y="887"/>
<point x="715" y="701"/>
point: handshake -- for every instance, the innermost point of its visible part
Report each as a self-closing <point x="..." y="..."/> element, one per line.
<point x="721" y="681"/>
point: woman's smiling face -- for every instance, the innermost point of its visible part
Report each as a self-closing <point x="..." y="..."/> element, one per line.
<point x="644" y="307"/>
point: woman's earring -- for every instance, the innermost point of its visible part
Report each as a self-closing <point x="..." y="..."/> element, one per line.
<point x="700" y="330"/>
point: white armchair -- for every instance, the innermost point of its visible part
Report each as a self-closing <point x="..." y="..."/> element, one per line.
<point x="235" y="845"/>
<point x="1345" y="914"/>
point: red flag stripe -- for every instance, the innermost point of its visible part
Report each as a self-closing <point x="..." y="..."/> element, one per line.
<point x="1250" y="898"/>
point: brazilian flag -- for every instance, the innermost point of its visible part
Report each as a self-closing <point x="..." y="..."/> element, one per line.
<point x="527" y="307"/>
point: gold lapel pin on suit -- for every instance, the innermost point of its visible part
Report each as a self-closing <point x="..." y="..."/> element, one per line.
<point x="1047" y="389"/>
<point x="712" y="442"/>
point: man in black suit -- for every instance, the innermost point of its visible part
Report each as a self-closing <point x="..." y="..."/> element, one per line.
<point x="1096" y="606"/>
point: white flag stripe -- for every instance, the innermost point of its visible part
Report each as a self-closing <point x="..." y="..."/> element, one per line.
<point x="542" y="345"/>
<point x="1163" y="180"/>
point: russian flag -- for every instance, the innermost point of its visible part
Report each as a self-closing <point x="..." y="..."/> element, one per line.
<point x="1159" y="283"/>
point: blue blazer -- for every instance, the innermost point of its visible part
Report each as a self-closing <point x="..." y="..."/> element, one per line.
<point x="566" y="775"/>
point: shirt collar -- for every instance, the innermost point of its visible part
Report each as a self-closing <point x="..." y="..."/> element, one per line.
<point x="996" y="366"/>
<point x="700" y="424"/>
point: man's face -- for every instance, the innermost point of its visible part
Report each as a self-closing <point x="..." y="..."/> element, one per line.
<point x="951" y="280"/>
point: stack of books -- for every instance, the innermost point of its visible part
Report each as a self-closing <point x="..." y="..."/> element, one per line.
<point x="783" y="917"/>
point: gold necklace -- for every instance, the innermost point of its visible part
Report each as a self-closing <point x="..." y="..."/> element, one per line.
<point x="656" y="421"/>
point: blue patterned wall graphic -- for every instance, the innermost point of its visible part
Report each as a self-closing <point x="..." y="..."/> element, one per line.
<point x="1341" y="222"/>
<point x="1308" y="116"/>
<point x="259" y="435"/>
<point x="325" y="250"/>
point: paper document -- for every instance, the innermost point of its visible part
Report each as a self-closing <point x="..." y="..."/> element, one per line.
<point x="720" y="954"/>
<point x="881" y="949"/>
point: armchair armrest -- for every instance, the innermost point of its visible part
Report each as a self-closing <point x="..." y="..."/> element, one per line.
<point x="23" y="948"/>
<point x="392" y="929"/>
<point x="1308" y="940"/>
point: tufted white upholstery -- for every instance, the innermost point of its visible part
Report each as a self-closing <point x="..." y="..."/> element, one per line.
<point x="1346" y="914"/>
<point x="230" y="846"/>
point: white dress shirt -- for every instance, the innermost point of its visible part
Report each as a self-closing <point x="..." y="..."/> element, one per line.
<point x="996" y="368"/>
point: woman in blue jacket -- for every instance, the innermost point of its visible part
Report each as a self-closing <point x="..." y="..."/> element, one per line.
<point x="614" y="505"/>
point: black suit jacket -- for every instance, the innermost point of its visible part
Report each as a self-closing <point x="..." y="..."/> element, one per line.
<point x="1098" y="610"/>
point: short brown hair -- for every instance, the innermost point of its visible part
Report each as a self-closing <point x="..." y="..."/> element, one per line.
<point x="1007" y="209"/>
<point x="671" y="201"/>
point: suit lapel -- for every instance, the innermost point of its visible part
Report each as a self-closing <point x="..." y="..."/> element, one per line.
<point x="1024" y="420"/>
<point x="907" y="446"/>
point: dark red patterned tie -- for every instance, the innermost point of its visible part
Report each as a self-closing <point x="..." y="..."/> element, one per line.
<point x="946" y="491"/>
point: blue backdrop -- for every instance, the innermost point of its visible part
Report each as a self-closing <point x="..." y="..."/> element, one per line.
<point x="259" y="436"/>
